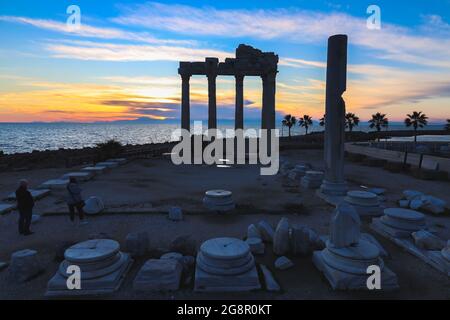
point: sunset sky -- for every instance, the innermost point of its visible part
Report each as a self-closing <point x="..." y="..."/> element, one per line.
<point x="122" y="63"/>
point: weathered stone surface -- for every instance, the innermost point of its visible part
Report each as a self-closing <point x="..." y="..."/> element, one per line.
<point x="270" y="282"/>
<point x="266" y="231"/>
<point x="55" y="184"/>
<point x="434" y="205"/>
<point x="25" y="265"/>
<point x="185" y="245"/>
<point x="219" y="200"/>
<point x="95" y="170"/>
<point x="172" y="255"/>
<point x="345" y="226"/>
<point x="416" y="204"/>
<point x="312" y="179"/>
<point x="283" y="263"/>
<point x="412" y="194"/>
<point x="303" y="240"/>
<point x="80" y="176"/>
<point x="428" y="241"/>
<point x="6" y="207"/>
<point x="256" y="245"/>
<point x="158" y="275"/>
<point x="281" y="237"/>
<point x="253" y="232"/>
<point x="175" y="214"/>
<point x="136" y="243"/>
<point x="107" y="164"/>
<point x="93" y="206"/>
<point x="36" y="218"/>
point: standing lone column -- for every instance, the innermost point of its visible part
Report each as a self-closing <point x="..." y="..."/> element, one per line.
<point x="334" y="183"/>
<point x="239" y="115"/>
<point x="185" y="102"/>
<point x="268" y="101"/>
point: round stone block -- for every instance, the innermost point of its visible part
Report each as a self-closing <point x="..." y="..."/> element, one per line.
<point x="219" y="268"/>
<point x="354" y="259"/>
<point x="92" y="251"/>
<point x="404" y="219"/>
<point x="225" y="248"/>
<point x="362" y="198"/>
<point x="218" y="194"/>
<point x="404" y="214"/>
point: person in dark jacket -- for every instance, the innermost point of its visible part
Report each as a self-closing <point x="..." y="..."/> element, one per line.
<point x="25" y="204"/>
<point x="74" y="199"/>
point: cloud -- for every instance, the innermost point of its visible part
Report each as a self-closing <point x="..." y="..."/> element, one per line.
<point x="89" y="31"/>
<point x="300" y="26"/>
<point x="87" y="50"/>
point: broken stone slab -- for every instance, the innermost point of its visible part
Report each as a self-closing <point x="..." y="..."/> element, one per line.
<point x="55" y="184"/>
<point x="95" y="170"/>
<point x="345" y="226"/>
<point x="266" y="230"/>
<point x="109" y="165"/>
<point x="158" y="275"/>
<point x="283" y="263"/>
<point x="303" y="240"/>
<point x="412" y="194"/>
<point x="364" y="236"/>
<point x="185" y="245"/>
<point x="281" y="238"/>
<point x="3" y="265"/>
<point x="416" y="204"/>
<point x="434" y="204"/>
<point x="120" y="161"/>
<point x="365" y="203"/>
<point x="256" y="245"/>
<point x="253" y="232"/>
<point x="93" y="206"/>
<point x="270" y="282"/>
<point x="24" y="266"/>
<point x="403" y="203"/>
<point x="80" y="176"/>
<point x="428" y="241"/>
<point x="175" y="214"/>
<point x="136" y="243"/>
<point x="36" y="194"/>
<point x="6" y="207"/>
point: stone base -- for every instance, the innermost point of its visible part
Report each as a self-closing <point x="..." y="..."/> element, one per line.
<point x="206" y="282"/>
<point x="340" y="280"/>
<point x="57" y="286"/>
<point x="388" y="231"/>
<point x="432" y="258"/>
<point x="95" y="170"/>
<point x="330" y="199"/>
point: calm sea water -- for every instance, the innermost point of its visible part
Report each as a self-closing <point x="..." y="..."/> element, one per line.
<point x="26" y="137"/>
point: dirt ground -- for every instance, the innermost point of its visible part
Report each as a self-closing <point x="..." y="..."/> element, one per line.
<point x="138" y="194"/>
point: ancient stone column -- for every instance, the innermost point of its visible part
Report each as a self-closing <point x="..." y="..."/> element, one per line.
<point x="334" y="183"/>
<point x="211" y="73"/>
<point x="268" y="101"/>
<point x="239" y="115"/>
<point x="185" y="102"/>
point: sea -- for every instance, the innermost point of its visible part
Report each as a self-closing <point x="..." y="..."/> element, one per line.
<point x="27" y="137"/>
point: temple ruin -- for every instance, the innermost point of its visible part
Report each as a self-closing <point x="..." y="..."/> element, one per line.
<point x="248" y="62"/>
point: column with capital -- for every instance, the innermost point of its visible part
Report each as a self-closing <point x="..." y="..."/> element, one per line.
<point x="268" y="101"/>
<point x="211" y="72"/>
<point x="239" y="115"/>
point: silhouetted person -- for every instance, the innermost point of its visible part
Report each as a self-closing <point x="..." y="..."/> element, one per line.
<point x="74" y="199"/>
<point x="25" y="204"/>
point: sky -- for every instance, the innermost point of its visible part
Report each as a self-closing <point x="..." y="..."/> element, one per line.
<point x="121" y="63"/>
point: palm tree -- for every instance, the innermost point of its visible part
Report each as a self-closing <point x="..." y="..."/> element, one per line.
<point x="306" y="122"/>
<point x="322" y="121"/>
<point x="416" y="120"/>
<point x="447" y="126"/>
<point x="351" y="120"/>
<point x="378" y="121"/>
<point x="289" y="121"/>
